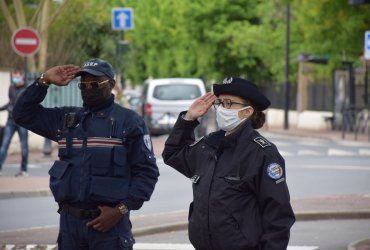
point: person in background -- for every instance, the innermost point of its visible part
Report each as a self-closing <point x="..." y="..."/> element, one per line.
<point x="17" y="85"/>
<point x="106" y="165"/>
<point x="240" y="195"/>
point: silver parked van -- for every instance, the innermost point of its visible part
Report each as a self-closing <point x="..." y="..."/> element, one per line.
<point x="165" y="98"/>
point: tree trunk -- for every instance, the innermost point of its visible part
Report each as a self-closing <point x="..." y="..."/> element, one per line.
<point x="44" y="36"/>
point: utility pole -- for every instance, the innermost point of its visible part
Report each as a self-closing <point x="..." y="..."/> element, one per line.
<point x="286" y="83"/>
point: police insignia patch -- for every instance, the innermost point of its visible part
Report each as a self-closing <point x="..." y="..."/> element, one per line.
<point x="148" y="142"/>
<point x="274" y="171"/>
<point x="262" y="142"/>
<point x="227" y="80"/>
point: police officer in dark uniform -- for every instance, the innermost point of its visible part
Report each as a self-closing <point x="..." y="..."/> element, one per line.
<point x="106" y="164"/>
<point x="240" y="196"/>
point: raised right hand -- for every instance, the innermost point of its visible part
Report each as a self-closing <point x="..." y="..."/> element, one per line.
<point x="200" y="106"/>
<point x="61" y="75"/>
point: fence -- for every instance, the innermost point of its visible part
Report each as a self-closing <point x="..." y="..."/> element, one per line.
<point x="356" y="120"/>
<point x="59" y="96"/>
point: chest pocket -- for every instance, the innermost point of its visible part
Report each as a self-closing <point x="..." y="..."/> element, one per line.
<point x="109" y="161"/>
<point x="236" y="183"/>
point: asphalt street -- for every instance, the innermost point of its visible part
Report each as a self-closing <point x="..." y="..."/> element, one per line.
<point x="316" y="167"/>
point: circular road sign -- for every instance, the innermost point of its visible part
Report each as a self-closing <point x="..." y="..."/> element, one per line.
<point x="25" y="41"/>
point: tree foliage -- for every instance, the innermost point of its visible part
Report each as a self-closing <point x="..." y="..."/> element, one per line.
<point x="209" y="39"/>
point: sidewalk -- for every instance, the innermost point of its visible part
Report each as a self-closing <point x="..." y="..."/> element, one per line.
<point x="336" y="207"/>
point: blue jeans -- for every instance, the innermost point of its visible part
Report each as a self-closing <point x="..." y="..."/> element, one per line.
<point x="9" y="131"/>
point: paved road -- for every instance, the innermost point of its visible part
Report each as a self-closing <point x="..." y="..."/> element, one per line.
<point x="316" y="167"/>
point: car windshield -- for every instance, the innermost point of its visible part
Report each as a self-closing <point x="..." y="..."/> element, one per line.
<point x="176" y="92"/>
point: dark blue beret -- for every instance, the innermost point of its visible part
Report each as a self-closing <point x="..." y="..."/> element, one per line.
<point x="244" y="89"/>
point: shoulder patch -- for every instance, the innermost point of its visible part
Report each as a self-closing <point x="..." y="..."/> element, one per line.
<point x="148" y="142"/>
<point x="274" y="171"/>
<point x="262" y="141"/>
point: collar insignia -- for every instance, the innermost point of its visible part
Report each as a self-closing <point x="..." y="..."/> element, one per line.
<point x="262" y="142"/>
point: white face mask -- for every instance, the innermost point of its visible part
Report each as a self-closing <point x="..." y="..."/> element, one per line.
<point x="228" y="119"/>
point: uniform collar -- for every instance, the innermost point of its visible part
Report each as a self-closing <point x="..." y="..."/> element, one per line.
<point x="219" y="139"/>
<point x="102" y="109"/>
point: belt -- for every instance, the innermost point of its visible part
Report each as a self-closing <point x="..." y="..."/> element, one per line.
<point x="79" y="212"/>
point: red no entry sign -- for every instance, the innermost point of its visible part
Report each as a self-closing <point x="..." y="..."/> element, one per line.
<point x="25" y="41"/>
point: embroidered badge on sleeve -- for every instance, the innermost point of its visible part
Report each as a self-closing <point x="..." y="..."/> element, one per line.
<point x="148" y="142"/>
<point x="275" y="172"/>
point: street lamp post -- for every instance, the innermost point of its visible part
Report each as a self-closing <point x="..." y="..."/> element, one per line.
<point x="286" y="83"/>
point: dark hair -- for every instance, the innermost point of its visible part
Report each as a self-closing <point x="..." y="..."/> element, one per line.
<point x="258" y="118"/>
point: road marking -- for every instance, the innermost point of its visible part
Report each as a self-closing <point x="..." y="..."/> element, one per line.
<point x="338" y="167"/>
<point x="162" y="246"/>
<point x="309" y="152"/>
<point x="339" y="152"/>
<point x="16" y="165"/>
<point x="302" y="247"/>
<point x="166" y="246"/>
<point x="285" y="153"/>
<point x="137" y="246"/>
<point x="363" y="151"/>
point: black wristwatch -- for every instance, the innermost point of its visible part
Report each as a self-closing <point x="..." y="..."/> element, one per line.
<point x="122" y="208"/>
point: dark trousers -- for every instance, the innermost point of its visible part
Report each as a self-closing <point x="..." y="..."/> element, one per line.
<point x="10" y="128"/>
<point x="75" y="235"/>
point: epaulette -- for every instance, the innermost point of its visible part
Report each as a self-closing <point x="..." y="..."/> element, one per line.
<point x="262" y="141"/>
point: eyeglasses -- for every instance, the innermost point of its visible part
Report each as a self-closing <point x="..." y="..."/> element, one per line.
<point x="91" y="84"/>
<point x="226" y="103"/>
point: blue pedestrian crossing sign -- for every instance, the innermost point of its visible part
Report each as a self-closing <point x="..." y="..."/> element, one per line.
<point x="122" y="18"/>
<point x="367" y="46"/>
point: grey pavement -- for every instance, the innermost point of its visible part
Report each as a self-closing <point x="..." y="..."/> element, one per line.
<point x="334" y="207"/>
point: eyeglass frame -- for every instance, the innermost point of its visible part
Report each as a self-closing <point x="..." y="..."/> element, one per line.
<point x="90" y="86"/>
<point x="227" y="106"/>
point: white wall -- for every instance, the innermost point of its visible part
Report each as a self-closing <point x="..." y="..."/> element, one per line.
<point x="312" y="120"/>
<point x="4" y="90"/>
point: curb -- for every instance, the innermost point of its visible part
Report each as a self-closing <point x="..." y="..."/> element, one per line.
<point x="26" y="194"/>
<point x="363" y="244"/>
<point x="300" y="216"/>
<point x="178" y="226"/>
<point x="329" y="215"/>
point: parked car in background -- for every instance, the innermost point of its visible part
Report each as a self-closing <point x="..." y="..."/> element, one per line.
<point x="134" y="100"/>
<point x="164" y="98"/>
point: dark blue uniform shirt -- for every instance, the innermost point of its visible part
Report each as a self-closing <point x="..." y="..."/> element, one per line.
<point x="105" y="153"/>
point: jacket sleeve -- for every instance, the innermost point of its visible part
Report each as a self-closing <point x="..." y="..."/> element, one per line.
<point x="277" y="213"/>
<point x="143" y="168"/>
<point x="30" y="114"/>
<point x="4" y="107"/>
<point x="176" y="148"/>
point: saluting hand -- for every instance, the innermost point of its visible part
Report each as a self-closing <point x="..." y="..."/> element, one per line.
<point x="61" y="75"/>
<point x="200" y="106"/>
<point x="107" y="219"/>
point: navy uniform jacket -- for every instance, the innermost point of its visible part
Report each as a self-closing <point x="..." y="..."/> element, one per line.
<point x="240" y="197"/>
<point x="105" y="154"/>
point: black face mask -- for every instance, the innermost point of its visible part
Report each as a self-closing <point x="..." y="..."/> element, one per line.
<point x="96" y="96"/>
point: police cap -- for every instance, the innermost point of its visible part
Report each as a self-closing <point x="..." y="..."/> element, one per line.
<point x="244" y="89"/>
<point x="97" y="67"/>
